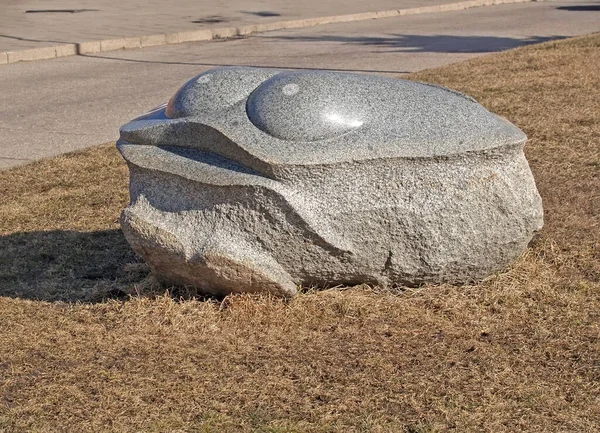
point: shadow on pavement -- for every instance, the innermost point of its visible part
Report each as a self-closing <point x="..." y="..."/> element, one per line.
<point x="162" y="62"/>
<point x="582" y="8"/>
<point x="213" y="19"/>
<point x="263" y="14"/>
<point x="427" y="43"/>
<point x="61" y="11"/>
<point x="34" y="40"/>
<point x="70" y="266"/>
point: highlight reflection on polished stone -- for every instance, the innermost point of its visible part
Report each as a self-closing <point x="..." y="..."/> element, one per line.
<point x="260" y="180"/>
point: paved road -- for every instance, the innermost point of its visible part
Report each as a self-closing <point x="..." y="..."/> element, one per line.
<point x="35" y="23"/>
<point x="55" y="106"/>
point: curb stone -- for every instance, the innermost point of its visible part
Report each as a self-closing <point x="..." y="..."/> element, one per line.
<point x="92" y="47"/>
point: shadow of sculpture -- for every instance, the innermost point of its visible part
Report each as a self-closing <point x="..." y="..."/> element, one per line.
<point x="426" y="43"/>
<point x="69" y="266"/>
<point x="79" y="267"/>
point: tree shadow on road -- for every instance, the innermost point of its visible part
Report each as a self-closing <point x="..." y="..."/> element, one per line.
<point x="581" y="8"/>
<point x="426" y="43"/>
<point x="387" y="44"/>
<point x="262" y="14"/>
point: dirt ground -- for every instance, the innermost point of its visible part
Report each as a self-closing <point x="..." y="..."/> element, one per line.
<point x="89" y="343"/>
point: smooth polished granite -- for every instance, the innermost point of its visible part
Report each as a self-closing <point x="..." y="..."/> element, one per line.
<point x="256" y="180"/>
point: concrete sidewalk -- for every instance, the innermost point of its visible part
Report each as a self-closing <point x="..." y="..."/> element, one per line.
<point x="56" y="106"/>
<point x="36" y="29"/>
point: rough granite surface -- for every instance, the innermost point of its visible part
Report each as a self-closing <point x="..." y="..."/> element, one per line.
<point x="254" y="180"/>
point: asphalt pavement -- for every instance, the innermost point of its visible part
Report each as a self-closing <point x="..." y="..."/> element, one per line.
<point x="54" y="106"/>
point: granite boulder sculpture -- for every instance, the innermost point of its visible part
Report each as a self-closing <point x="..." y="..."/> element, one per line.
<point x="255" y="180"/>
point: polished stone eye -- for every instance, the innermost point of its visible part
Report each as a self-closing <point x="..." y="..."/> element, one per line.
<point x="214" y="90"/>
<point x="305" y="106"/>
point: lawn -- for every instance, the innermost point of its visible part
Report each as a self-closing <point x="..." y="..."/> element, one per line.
<point x="90" y="343"/>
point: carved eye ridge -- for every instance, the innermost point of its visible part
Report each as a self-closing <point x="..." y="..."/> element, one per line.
<point x="302" y="106"/>
<point x="215" y="90"/>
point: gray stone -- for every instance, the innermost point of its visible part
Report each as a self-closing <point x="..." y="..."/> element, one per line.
<point x="254" y="180"/>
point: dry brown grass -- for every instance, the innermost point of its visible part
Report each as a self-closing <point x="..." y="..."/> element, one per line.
<point x="517" y="352"/>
